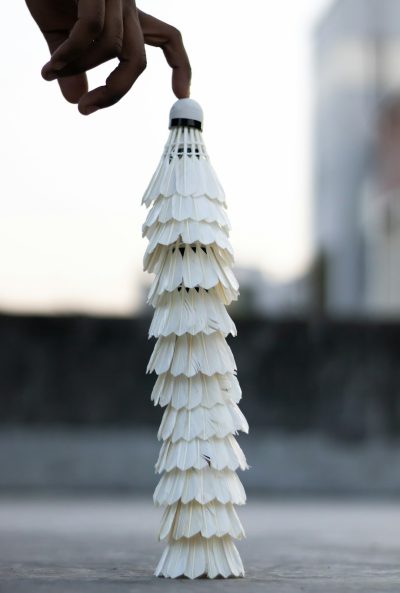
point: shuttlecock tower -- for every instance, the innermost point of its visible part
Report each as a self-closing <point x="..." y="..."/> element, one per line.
<point x="191" y="257"/>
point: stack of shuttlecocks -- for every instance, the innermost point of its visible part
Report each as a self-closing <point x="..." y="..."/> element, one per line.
<point x="190" y="254"/>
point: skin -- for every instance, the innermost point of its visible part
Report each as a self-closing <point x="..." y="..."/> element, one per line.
<point x="82" y="34"/>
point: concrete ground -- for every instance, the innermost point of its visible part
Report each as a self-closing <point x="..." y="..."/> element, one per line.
<point x="91" y="545"/>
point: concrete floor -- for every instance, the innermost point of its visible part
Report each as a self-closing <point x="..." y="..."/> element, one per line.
<point x="109" y="545"/>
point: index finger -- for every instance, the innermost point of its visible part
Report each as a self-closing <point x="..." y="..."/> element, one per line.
<point x="169" y="39"/>
<point x="131" y="65"/>
<point x="89" y="24"/>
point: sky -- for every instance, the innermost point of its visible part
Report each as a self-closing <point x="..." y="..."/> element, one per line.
<point x="71" y="186"/>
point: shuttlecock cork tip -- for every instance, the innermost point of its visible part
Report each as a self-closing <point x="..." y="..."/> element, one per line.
<point x="186" y="112"/>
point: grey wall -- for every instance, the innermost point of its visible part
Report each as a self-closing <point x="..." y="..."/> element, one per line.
<point x="341" y="379"/>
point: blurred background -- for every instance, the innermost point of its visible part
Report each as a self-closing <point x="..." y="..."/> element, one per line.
<point x="302" y="123"/>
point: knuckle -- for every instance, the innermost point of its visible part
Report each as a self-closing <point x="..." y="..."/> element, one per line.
<point x="93" y="25"/>
<point x="114" y="45"/>
<point x="175" y="34"/>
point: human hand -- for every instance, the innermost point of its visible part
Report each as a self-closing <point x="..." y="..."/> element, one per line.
<point x="82" y="34"/>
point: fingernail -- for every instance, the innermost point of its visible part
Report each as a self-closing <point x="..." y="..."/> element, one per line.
<point x="89" y="109"/>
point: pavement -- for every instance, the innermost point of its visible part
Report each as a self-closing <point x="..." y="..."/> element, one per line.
<point x="109" y="545"/>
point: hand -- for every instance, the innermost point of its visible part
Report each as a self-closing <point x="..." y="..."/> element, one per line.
<point x="81" y="34"/>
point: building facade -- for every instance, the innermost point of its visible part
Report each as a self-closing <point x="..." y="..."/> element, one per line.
<point x="357" y="84"/>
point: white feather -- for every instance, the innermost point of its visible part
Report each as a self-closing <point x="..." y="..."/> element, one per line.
<point x="216" y="453"/>
<point x="188" y="232"/>
<point x="190" y="392"/>
<point x="197" y="267"/>
<point x="180" y="208"/>
<point x="184" y="169"/>
<point x="225" y="295"/>
<point x="169" y="277"/>
<point x="190" y="311"/>
<point x="202" y="485"/>
<point x="191" y="266"/>
<point x="151" y="191"/>
<point x="202" y="265"/>
<point x="223" y="256"/>
<point x="189" y="355"/>
<point x="212" y="519"/>
<point x="199" y="556"/>
<point x="203" y="423"/>
<point x="230" y="386"/>
<point x="226" y="276"/>
<point x="187" y="392"/>
<point x="154" y="262"/>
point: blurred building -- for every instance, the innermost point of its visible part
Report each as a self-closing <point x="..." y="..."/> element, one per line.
<point x="381" y="217"/>
<point x="357" y="156"/>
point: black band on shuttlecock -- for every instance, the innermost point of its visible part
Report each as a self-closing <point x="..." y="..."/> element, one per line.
<point x="188" y="123"/>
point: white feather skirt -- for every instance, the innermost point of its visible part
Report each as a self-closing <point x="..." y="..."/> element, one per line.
<point x="195" y="267"/>
<point x="225" y="295"/>
<point x="163" y="254"/>
<point x="216" y="453"/>
<point x="189" y="355"/>
<point x="191" y="257"/>
<point x="190" y="311"/>
<point x="210" y="519"/>
<point x="190" y="392"/>
<point x="202" y="485"/>
<point x="180" y="208"/>
<point x="187" y="232"/>
<point x="199" y="556"/>
<point x="201" y="422"/>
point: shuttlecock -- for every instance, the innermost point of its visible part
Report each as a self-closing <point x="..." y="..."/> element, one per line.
<point x="190" y="254"/>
